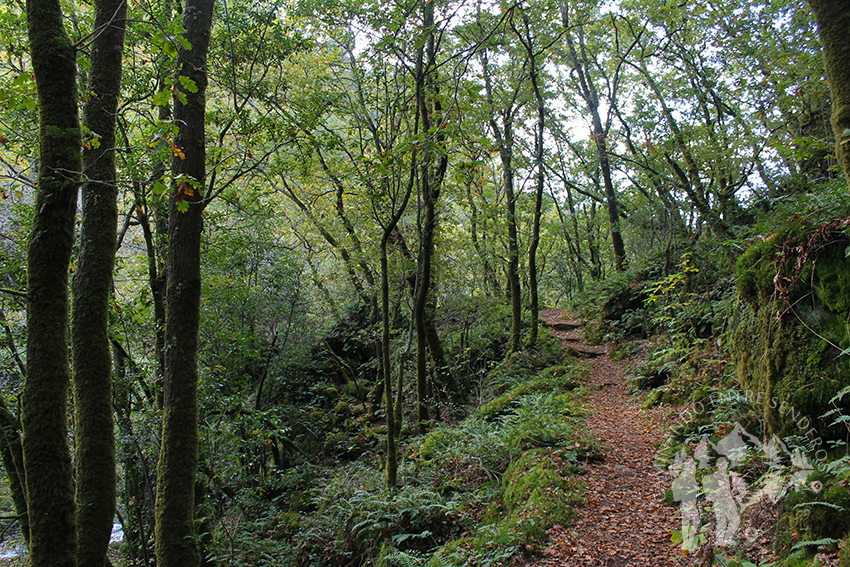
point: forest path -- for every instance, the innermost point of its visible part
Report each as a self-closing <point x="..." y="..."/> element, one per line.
<point x="623" y="522"/>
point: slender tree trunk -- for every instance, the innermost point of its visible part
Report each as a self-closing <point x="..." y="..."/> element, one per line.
<point x="134" y="497"/>
<point x="393" y="419"/>
<point x="176" y="543"/>
<point x="392" y="451"/>
<point x="593" y="244"/>
<point x="13" y="463"/>
<point x="441" y="366"/>
<point x="47" y="459"/>
<point x="505" y="143"/>
<point x="491" y="283"/>
<point x="540" y="178"/>
<point x="591" y="98"/>
<point x="433" y="168"/>
<point x="92" y="284"/>
<point x="833" y="19"/>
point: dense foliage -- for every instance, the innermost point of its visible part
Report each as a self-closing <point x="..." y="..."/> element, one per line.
<point x="380" y="197"/>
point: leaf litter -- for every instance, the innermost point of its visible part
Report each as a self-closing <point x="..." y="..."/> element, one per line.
<point x="624" y="521"/>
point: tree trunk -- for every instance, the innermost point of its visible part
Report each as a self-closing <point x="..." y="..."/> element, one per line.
<point x="540" y="178"/>
<point x="591" y="98"/>
<point x="13" y="462"/>
<point x="393" y="418"/>
<point x="47" y="459"/>
<point x="134" y="502"/>
<point x="442" y="371"/>
<point x="491" y="283"/>
<point x="392" y="450"/>
<point x="505" y="143"/>
<point x="833" y="19"/>
<point x="92" y="284"/>
<point x="176" y="544"/>
<point x="432" y="170"/>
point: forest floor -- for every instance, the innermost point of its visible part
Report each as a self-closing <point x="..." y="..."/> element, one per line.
<point x="623" y="521"/>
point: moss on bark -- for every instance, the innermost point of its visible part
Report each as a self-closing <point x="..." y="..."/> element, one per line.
<point x="47" y="460"/>
<point x="92" y="361"/>
<point x="833" y="19"/>
<point x="176" y="538"/>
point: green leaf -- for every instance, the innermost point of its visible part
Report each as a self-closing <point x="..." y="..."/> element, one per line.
<point x="159" y="188"/>
<point x="188" y="84"/>
<point x="162" y="97"/>
<point x="183" y="206"/>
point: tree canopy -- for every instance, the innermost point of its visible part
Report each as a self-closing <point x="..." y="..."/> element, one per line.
<point x="314" y="232"/>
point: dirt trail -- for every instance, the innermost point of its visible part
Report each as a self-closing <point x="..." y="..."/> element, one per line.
<point x="623" y="522"/>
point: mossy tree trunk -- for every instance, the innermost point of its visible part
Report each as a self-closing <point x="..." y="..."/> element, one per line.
<point x="433" y="166"/>
<point x="135" y="502"/>
<point x="90" y="347"/>
<point x="176" y="542"/>
<point x="442" y="370"/>
<point x="833" y="19"/>
<point x="399" y="196"/>
<point x="47" y="459"/>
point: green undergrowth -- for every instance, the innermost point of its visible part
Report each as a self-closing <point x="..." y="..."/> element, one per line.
<point x="476" y="492"/>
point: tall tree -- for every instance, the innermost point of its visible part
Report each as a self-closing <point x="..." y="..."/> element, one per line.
<point x="833" y="17"/>
<point x="533" y="54"/>
<point x="433" y="164"/>
<point x="581" y="64"/>
<point x="504" y="136"/>
<point x="47" y="459"/>
<point x="176" y="544"/>
<point x="90" y="347"/>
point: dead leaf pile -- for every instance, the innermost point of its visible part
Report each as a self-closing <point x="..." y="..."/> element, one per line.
<point x="623" y="522"/>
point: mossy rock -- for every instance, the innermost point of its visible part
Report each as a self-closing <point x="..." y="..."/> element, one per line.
<point x="651" y="378"/>
<point x="844" y="556"/>
<point x="832" y="280"/>
<point x="287" y="526"/>
<point x="791" y="373"/>
<point x="787" y="342"/>
<point x="755" y="270"/>
<point x="536" y="496"/>
<point x="652" y="399"/>
<point x="433" y="444"/>
<point x="563" y="377"/>
<point x="552" y="379"/>
<point x="488" y="546"/>
<point x="800" y="558"/>
<point x="623" y="300"/>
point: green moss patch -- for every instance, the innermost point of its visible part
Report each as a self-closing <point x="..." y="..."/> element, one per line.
<point x="792" y="330"/>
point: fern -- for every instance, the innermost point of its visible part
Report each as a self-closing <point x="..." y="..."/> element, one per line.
<point x="827" y="504"/>
<point x="815" y="543"/>
<point x="398" y="558"/>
